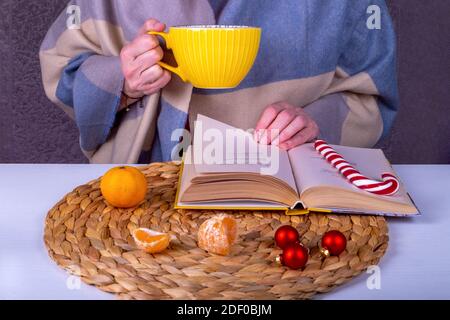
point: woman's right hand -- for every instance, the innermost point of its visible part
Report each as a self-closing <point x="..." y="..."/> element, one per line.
<point x="139" y="59"/>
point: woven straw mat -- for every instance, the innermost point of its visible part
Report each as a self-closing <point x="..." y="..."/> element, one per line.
<point x="92" y="240"/>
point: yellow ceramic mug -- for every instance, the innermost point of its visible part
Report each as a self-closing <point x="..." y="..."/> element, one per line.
<point x="212" y="57"/>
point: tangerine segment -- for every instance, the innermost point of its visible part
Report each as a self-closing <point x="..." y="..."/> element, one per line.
<point x="151" y="241"/>
<point x="217" y="235"/>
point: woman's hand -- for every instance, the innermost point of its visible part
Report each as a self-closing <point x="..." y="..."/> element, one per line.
<point x="286" y="126"/>
<point x="143" y="75"/>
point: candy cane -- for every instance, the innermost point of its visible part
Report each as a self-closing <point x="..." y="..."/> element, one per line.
<point x="387" y="187"/>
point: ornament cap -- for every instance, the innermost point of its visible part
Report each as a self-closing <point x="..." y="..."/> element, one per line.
<point x="325" y="253"/>
<point x="278" y="260"/>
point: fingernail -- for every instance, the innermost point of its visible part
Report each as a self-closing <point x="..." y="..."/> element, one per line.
<point x="256" y="136"/>
<point x="284" y="146"/>
<point x="264" y="139"/>
<point x="276" y="142"/>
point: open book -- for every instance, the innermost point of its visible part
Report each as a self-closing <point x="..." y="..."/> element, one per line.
<point x="226" y="169"/>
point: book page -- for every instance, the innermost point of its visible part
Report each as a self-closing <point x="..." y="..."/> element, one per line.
<point x="221" y="148"/>
<point x="188" y="172"/>
<point x="312" y="170"/>
<point x="232" y="205"/>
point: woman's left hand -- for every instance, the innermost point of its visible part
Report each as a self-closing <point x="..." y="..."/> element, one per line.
<point x="285" y="126"/>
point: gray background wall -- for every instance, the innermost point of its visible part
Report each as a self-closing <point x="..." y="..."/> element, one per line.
<point x="32" y="130"/>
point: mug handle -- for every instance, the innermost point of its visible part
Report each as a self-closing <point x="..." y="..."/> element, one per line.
<point x="176" y="70"/>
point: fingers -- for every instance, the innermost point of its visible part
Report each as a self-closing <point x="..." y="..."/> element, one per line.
<point x="300" y="138"/>
<point x="139" y="60"/>
<point x="309" y="133"/>
<point x="267" y="117"/>
<point x="283" y="120"/>
<point x="148" y="59"/>
<point x="139" y="46"/>
<point x="286" y="126"/>
<point x="298" y="123"/>
<point x="152" y="25"/>
<point x="154" y="87"/>
<point x="151" y="75"/>
<point x="150" y="79"/>
<point x="144" y="42"/>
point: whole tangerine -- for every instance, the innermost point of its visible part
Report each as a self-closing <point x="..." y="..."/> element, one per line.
<point x="124" y="187"/>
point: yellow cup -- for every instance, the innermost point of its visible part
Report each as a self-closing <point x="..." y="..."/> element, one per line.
<point x="212" y="57"/>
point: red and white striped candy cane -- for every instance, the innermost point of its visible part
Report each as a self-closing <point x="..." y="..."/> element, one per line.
<point x="387" y="187"/>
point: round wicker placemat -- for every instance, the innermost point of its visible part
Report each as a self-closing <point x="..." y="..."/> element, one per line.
<point x="92" y="240"/>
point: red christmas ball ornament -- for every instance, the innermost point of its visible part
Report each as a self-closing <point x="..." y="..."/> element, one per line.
<point x="286" y="235"/>
<point x="294" y="256"/>
<point x="333" y="243"/>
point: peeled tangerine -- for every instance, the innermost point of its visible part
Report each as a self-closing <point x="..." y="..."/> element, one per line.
<point x="151" y="241"/>
<point x="217" y="235"/>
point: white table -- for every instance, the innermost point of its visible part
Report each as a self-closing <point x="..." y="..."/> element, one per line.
<point x="416" y="266"/>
